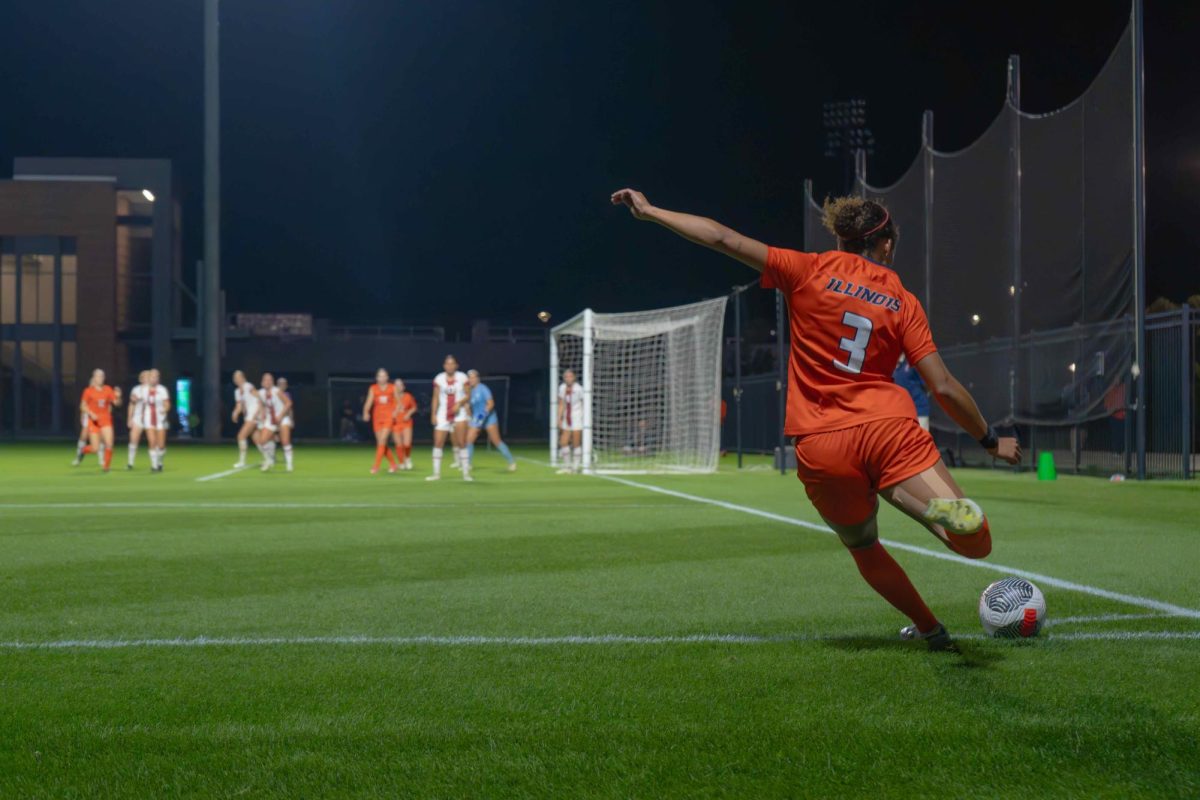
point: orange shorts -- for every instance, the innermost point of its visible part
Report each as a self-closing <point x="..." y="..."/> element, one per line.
<point x="95" y="426"/>
<point x="402" y="426"/>
<point x="381" y="424"/>
<point x="844" y="470"/>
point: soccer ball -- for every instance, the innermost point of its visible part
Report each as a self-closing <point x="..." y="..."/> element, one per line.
<point x="1012" y="608"/>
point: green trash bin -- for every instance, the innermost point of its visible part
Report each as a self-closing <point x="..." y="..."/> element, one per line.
<point x="1045" y="467"/>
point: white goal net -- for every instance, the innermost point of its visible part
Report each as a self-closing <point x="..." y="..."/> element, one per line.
<point x="651" y="387"/>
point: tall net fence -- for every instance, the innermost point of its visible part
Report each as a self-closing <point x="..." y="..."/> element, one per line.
<point x="651" y="383"/>
<point x="1022" y="249"/>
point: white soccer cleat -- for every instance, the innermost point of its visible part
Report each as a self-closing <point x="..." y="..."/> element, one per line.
<point x="391" y="470"/>
<point x="289" y="467"/>
<point x="512" y="467"/>
<point x="433" y="477"/>
<point x="240" y="465"/>
<point x="467" y="477"/>
<point x="960" y="516"/>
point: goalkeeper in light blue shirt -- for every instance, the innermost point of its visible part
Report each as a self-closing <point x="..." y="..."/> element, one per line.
<point x="483" y="417"/>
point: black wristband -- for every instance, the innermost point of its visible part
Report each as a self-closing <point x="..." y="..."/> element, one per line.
<point x="990" y="439"/>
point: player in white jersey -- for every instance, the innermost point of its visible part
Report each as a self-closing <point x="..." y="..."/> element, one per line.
<point x="570" y="424"/>
<point x="272" y="409"/>
<point x="246" y="407"/>
<point x="137" y="399"/>
<point x="449" y="417"/>
<point x="287" y="423"/>
<point x="156" y="413"/>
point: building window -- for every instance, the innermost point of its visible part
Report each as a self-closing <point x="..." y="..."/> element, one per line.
<point x="135" y="267"/>
<point x="8" y="289"/>
<point x="38" y="309"/>
<point x="69" y="290"/>
<point x="37" y="289"/>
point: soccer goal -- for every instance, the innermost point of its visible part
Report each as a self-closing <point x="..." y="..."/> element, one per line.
<point x="651" y="387"/>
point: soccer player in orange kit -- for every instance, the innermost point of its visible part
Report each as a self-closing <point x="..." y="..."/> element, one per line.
<point x="380" y="410"/>
<point x="856" y="431"/>
<point x="97" y="405"/>
<point x="402" y="428"/>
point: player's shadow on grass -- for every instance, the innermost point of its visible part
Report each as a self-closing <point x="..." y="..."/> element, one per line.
<point x="970" y="656"/>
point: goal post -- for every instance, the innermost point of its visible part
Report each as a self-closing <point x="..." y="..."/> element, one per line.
<point x="651" y="384"/>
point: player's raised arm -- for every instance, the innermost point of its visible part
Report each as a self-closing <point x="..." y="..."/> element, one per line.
<point x="953" y="397"/>
<point x="701" y="230"/>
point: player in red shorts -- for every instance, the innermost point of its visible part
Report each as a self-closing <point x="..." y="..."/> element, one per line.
<point x="97" y="405"/>
<point x="380" y="410"/>
<point x="857" y="436"/>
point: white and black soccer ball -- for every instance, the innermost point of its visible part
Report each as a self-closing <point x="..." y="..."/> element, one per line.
<point x="1012" y="608"/>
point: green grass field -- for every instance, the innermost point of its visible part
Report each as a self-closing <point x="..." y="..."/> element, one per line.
<point x="325" y="633"/>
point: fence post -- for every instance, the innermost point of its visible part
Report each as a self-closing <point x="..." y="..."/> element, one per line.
<point x="781" y="380"/>
<point x="927" y="154"/>
<point x="1139" y="232"/>
<point x="737" y="370"/>
<point x="1014" y="100"/>
<point x="1185" y="348"/>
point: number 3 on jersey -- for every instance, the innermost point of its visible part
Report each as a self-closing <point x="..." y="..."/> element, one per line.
<point x="856" y="347"/>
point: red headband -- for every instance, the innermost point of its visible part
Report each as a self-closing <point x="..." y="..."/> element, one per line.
<point x="886" y="219"/>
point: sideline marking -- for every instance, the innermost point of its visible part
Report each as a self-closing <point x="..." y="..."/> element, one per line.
<point x="523" y="641"/>
<point x="1121" y="597"/>
<point x="202" y="505"/>
<point x="217" y="475"/>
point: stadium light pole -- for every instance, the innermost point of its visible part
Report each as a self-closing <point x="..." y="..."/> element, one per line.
<point x="1139" y="235"/>
<point x="211" y="290"/>
<point x="846" y="132"/>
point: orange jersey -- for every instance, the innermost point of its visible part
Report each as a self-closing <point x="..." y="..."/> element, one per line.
<point x="405" y="404"/>
<point x="99" y="403"/>
<point x="383" y="404"/>
<point x="850" y="320"/>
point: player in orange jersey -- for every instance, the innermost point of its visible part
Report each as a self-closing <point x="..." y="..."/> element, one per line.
<point x="402" y="428"/>
<point x="97" y="404"/>
<point x="380" y="410"/>
<point x="857" y="436"/>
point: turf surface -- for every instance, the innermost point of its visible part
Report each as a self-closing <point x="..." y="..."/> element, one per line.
<point x="269" y="625"/>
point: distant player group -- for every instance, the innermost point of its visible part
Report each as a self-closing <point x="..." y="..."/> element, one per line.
<point x="148" y="415"/>
<point x="461" y="407"/>
<point x="266" y="419"/>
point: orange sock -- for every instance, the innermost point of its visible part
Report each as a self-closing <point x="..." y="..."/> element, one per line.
<point x="108" y="457"/>
<point x="885" y="576"/>
<point x="380" y="449"/>
<point x="88" y="449"/>
<point x="974" y="545"/>
<point x="388" y="452"/>
<point x="406" y="452"/>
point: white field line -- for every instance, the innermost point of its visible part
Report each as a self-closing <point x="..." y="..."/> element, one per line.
<point x="518" y="641"/>
<point x="218" y="475"/>
<point x="217" y="506"/>
<point x="1052" y="621"/>
<point x="1046" y="580"/>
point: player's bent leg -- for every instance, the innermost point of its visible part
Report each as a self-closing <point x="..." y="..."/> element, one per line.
<point x="934" y="499"/>
<point x="493" y="432"/>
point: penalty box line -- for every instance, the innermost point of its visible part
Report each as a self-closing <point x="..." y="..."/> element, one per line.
<point x="1047" y="580"/>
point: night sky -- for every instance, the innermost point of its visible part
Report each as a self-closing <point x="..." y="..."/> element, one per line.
<point x="400" y="162"/>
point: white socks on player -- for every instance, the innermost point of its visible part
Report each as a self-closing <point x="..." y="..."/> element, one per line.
<point x="464" y="461"/>
<point x="243" y="447"/>
<point x="100" y="454"/>
<point x="564" y="457"/>
<point x="576" y="458"/>
<point x="437" y="461"/>
<point x="156" y="457"/>
<point x="287" y="455"/>
<point x="132" y="453"/>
